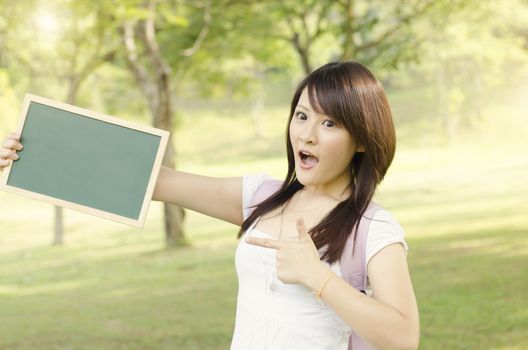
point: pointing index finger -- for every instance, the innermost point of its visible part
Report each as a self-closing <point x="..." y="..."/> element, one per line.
<point x="265" y="242"/>
<point x="301" y="229"/>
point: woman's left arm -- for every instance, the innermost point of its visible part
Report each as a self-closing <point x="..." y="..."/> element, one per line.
<point x="388" y="320"/>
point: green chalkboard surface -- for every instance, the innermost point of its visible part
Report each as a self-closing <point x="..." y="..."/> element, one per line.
<point x="86" y="161"/>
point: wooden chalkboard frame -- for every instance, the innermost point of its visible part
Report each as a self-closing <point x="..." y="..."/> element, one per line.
<point x="162" y="134"/>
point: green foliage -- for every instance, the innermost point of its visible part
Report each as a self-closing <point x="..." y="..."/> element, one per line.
<point x="236" y="51"/>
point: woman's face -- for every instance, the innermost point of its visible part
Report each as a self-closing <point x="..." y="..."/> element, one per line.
<point x="323" y="150"/>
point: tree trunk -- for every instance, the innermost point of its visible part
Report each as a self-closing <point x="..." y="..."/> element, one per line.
<point x="154" y="80"/>
<point x="174" y="215"/>
<point x="58" y="232"/>
<point x="59" y="226"/>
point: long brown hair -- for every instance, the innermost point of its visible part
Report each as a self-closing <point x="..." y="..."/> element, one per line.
<point x="349" y="93"/>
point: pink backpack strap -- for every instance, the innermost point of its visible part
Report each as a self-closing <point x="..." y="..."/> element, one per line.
<point x="264" y="191"/>
<point x="354" y="267"/>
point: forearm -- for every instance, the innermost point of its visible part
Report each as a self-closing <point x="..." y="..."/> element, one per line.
<point x="183" y="189"/>
<point x="217" y="197"/>
<point x="379" y="323"/>
<point x="167" y="185"/>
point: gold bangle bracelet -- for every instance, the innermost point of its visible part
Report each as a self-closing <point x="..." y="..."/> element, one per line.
<point x="318" y="296"/>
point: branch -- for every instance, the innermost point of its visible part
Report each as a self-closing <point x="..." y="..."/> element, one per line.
<point x="148" y="37"/>
<point x="91" y="64"/>
<point x="140" y="73"/>
<point x="96" y="62"/>
<point x="294" y="38"/>
<point x="305" y="26"/>
<point x="203" y="33"/>
<point x="395" y="28"/>
<point x="322" y="15"/>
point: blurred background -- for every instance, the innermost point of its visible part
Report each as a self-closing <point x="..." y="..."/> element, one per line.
<point x="219" y="75"/>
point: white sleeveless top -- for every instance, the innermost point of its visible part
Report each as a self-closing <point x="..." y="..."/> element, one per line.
<point x="272" y="315"/>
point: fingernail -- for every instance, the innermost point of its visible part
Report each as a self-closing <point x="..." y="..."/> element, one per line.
<point x="16" y="156"/>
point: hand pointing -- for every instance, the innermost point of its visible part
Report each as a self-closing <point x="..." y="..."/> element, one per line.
<point x="296" y="260"/>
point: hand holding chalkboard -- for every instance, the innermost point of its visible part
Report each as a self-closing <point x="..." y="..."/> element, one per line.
<point x="61" y="164"/>
<point x="8" y="150"/>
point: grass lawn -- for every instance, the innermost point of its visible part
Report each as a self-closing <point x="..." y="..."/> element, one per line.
<point x="463" y="206"/>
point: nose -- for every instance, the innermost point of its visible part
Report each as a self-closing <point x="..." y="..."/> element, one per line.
<point x="308" y="134"/>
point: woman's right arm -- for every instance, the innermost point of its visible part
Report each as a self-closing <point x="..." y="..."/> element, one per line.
<point x="217" y="197"/>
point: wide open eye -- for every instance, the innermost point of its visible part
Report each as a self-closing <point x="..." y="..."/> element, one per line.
<point x="329" y="123"/>
<point x="301" y="115"/>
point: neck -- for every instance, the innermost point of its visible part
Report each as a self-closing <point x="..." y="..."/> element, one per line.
<point x="337" y="195"/>
<point x="312" y="198"/>
<point x="335" y="191"/>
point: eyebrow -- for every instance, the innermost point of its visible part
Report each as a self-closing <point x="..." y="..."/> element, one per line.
<point x="306" y="108"/>
<point x="310" y="110"/>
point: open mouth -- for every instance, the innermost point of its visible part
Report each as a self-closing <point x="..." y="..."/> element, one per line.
<point x="308" y="160"/>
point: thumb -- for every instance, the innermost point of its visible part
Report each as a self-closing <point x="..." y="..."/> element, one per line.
<point x="301" y="230"/>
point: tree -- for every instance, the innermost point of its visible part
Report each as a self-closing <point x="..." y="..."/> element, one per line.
<point x="153" y="75"/>
<point x="173" y="44"/>
<point x="377" y="33"/>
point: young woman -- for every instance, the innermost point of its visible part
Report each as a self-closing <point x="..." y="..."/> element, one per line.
<point x="340" y="142"/>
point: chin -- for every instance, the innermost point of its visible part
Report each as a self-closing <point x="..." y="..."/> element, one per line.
<point x="306" y="179"/>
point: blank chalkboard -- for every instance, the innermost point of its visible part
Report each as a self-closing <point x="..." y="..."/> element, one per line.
<point x="86" y="161"/>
